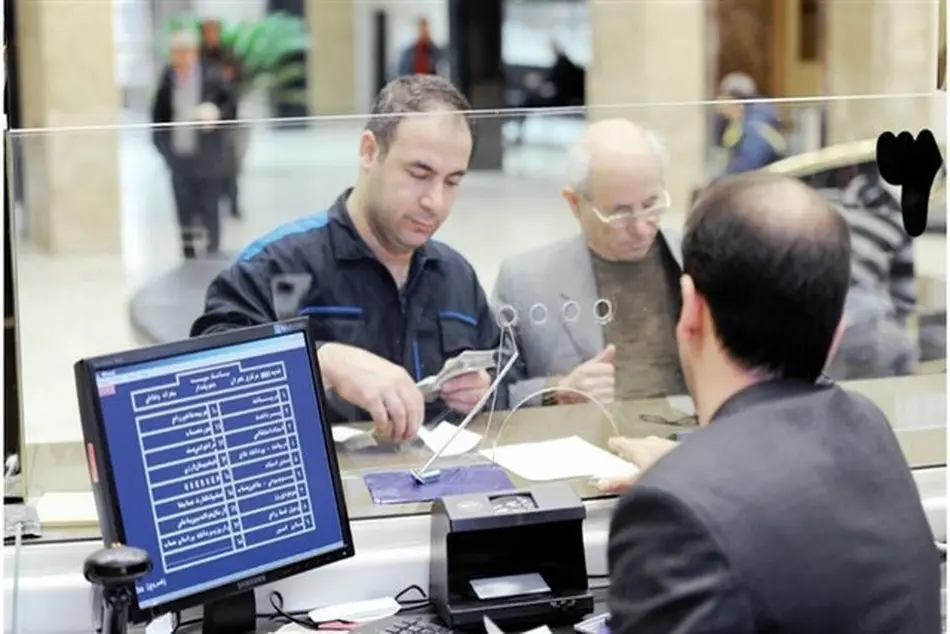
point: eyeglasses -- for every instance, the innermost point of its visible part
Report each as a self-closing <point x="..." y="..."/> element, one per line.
<point x="648" y="213"/>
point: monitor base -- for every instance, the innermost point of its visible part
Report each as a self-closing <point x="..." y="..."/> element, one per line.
<point x="236" y="614"/>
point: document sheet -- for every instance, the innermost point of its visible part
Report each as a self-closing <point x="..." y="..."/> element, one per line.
<point x="561" y="459"/>
<point x="491" y="628"/>
<point x="441" y="436"/>
<point x="67" y="508"/>
<point x="341" y="433"/>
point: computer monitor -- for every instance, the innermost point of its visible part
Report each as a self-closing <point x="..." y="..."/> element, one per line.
<point x="214" y="455"/>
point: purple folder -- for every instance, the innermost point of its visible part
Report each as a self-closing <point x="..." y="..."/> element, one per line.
<point x="399" y="487"/>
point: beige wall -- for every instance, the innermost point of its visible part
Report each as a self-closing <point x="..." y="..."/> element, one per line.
<point x="942" y="23"/>
<point x="331" y="79"/>
<point x="643" y="52"/>
<point x="802" y="78"/>
<point x="880" y="48"/>
<point x="67" y="75"/>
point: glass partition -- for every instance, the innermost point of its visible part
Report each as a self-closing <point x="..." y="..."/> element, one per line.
<point x="103" y="264"/>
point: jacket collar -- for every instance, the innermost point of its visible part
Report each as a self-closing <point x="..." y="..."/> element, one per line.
<point x="347" y="244"/>
<point x="770" y="390"/>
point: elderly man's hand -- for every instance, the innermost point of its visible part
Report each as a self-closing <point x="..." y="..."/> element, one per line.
<point x="642" y="452"/>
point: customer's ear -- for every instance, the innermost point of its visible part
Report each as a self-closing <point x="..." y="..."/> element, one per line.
<point x="691" y="319"/>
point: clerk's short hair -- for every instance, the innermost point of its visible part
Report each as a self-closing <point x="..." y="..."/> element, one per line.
<point x="773" y="262"/>
<point x="409" y="95"/>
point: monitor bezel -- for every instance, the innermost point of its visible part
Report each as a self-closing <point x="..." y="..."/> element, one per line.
<point x="86" y="370"/>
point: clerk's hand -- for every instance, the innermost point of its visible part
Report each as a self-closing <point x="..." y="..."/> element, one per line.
<point x="595" y="378"/>
<point x="463" y="392"/>
<point x="380" y="387"/>
<point x="642" y="452"/>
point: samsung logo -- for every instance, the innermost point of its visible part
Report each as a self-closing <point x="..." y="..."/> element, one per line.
<point x="253" y="581"/>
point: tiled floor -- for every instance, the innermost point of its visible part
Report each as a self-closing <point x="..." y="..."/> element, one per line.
<point x="75" y="307"/>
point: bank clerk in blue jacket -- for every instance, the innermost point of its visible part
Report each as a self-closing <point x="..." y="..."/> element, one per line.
<point x="387" y="304"/>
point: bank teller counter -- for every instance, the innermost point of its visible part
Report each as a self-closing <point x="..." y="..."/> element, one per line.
<point x="392" y="540"/>
<point x="915" y="405"/>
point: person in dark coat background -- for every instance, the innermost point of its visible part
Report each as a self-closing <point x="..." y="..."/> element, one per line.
<point x="219" y="59"/>
<point x="196" y="99"/>
<point x="423" y="56"/>
<point x="212" y="50"/>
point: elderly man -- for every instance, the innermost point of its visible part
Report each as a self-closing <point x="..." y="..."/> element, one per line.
<point x="594" y="315"/>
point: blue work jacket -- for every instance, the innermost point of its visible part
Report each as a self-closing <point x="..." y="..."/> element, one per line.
<point x="353" y="299"/>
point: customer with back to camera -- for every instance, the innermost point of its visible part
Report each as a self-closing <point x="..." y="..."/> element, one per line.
<point x="388" y="305"/>
<point x="792" y="509"/>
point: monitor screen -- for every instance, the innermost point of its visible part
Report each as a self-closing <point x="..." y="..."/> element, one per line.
<point x="220" y="464"/>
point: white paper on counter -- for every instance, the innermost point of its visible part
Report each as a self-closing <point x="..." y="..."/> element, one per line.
<point x="561" y="459"/>
<point x="437" y="438"/>
<point x="341" y="433"/>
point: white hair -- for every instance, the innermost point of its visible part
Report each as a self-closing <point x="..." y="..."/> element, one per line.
<point x="580" y="158"/>
<point x="184" y="39"/>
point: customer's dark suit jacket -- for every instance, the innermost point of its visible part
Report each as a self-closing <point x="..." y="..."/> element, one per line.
<point x="794" y="511"/>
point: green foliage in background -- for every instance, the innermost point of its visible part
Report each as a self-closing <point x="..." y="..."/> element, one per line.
<point x="261" y="47"/>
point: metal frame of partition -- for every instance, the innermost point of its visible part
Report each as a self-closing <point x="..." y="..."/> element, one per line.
<point x="12" y="402"/>
<point x="12" y="405"/>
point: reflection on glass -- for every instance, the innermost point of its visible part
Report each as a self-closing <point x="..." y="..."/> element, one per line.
<point x="575" y="290"/>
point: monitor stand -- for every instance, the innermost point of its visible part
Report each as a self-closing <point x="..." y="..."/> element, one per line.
<point x="235" y="614"/>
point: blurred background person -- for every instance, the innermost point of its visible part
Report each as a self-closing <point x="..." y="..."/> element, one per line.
<point x="212" y="50"/>
<point x="423" y="56"/>
<point x="883" y="296"/>
<point x="236" y="136"/>
<point x="218" y="60"/>
<point x="748" y="131"/>
<point x="188" y="93"/>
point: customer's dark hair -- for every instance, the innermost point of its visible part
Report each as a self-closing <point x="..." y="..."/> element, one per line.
<point x="773" y="262"/>
<point x="413" y="94"/>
